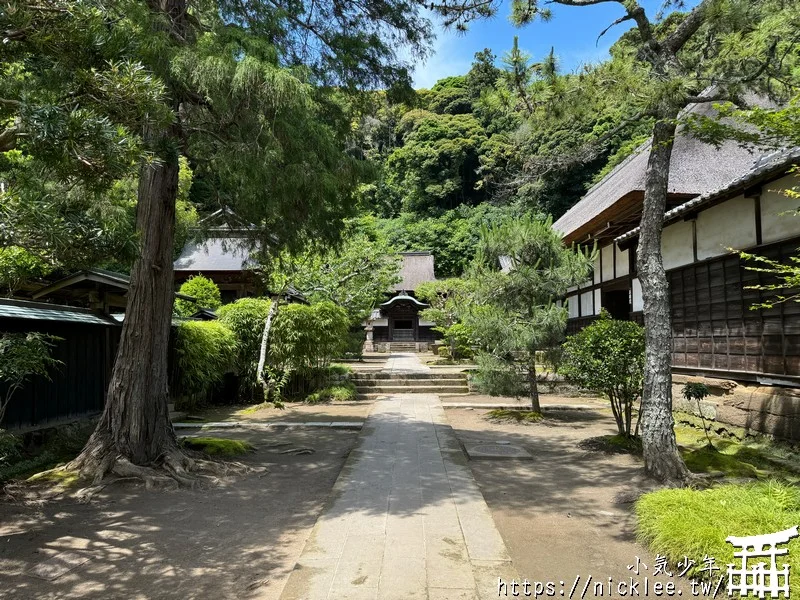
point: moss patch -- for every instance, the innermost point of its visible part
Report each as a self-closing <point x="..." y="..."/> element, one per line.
<point x="686" y="522"/>
<point x="709" y="460"/>
<point x="518" y="416"/>
<point x="612" y="444"/>
<point x="340" y="392"/>
<point x="214" y="446"/>
<point x="62" y="477"/>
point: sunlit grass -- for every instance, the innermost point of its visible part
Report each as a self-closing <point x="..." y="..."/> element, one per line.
<point x="693" y="523"/>
<point x="214" y="446"/>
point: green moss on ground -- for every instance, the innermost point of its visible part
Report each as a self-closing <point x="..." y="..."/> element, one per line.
<point x="751" y="456"/>
<point x="62" y="477"/>
<point x="340" y="392"/>
<point x="518" y="416"/>
<point x="214" y="446"/>
<point x="612" y="444"/>
<point x="694" y="523"/>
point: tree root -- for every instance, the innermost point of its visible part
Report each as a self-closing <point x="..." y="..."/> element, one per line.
<point x="176" y="468"/>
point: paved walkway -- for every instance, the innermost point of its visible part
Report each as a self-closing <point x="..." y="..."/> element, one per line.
<point x="404" y="363"/>
<point x="406" y="519"/>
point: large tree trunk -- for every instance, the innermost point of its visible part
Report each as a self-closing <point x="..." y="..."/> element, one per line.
<point x="661" y="456"/>
<point x="135" y="424"/>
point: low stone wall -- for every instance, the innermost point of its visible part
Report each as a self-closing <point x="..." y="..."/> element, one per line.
<point x="753" y="408"/>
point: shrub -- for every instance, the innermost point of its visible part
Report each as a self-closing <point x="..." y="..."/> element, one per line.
<point x="498" y="377"/>
<point x="201" y="289"/>
<point x="354" y="347"/>
<point x="205" y="350"/>
<point x="308" y="337"/>
<point x="691" y="523"/>
<point x="340" y="392"/>
<point x="245" y="318"/>
<point x="23" y="355"/>
<point x="608" y="357"/>
<point x="10" y="447"/>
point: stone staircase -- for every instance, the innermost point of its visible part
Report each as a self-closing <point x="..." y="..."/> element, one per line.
<point x="374" y="385"/>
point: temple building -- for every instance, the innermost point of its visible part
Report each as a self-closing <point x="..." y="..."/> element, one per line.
<point x="222" y="255"/>
<point x="395" y="325"/>
<point x="721" y="201"/>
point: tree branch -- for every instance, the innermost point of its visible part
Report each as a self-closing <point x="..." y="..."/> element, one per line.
<point x="678" y="38"/>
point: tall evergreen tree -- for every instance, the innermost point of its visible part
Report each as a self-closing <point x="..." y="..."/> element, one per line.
<point x="244" y="90"/>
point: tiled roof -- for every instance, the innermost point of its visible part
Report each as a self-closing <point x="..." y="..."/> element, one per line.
<point x="771" y="164"/>
<point x="417" y="268"/>
<point x="216" y="254"/>
<point x="696" y="168"/>
<point x="40" y="311"/>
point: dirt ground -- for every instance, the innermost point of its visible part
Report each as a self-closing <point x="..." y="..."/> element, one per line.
<point x="558" y="513"/>
<point x="240" y="539"/>
<point x="294" y="412"/>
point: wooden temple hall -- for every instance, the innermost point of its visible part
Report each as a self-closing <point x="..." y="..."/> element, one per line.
<point x="395" y="325"/>
<point x="719" y="200"/>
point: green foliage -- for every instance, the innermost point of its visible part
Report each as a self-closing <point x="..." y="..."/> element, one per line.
<point x="340" y="392"/>
<point x="449" y="299"/>
<point x="246" y="318"/>
<point x="58" y="448"/>
<point x="18" y="265"/>
<point x="205" y="350"/>
<point x="202" y="289"/>
<point x="22" y="356"/>
<point x="521" y="270"/>
<point x="308" y="337"/>
<point x="498" y="376"/>
<point x="10" y="448"/>
<point x="689" y="523"/>
<point x="608" y="357"/>
<point x="216" y="446"/>
<point x="355" y="275"/>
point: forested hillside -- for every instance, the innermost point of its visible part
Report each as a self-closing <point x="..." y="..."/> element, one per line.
<point x="512" y="136"/>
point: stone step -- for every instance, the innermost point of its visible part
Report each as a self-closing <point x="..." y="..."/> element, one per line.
<point x="376" y="395"/>
<point x="358" y="377"/>
<point x="413" y="389"/>
<point x="459" y="381"/>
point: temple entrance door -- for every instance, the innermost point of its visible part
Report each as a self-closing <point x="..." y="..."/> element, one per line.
<point x="402" y="329"/>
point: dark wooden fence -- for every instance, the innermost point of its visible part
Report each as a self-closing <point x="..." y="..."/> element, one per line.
<point x="77" y="387"/>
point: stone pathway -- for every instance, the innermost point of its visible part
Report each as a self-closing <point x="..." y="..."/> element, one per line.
<point x="406" y="519"/>
<point x="402" y="363"/>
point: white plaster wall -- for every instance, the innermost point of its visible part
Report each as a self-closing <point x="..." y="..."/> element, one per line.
<point x="676" y="244"/>
<point x="597" y="302"/>
<point x="586" y="304"/>
<point x="595" y="271"/>
<point x="572" y="304"/>
<point x="423" y="323"/>
<point x="623" y="262"/>
<point x="774" y="226"/>
<point x="608" y="262"/>
<point x="380" y="322"/>
<point x="636" y="292"/>
<point x="731" y="224"/>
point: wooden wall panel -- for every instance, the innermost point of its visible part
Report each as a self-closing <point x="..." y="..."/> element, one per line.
<point x="715" y="327"/>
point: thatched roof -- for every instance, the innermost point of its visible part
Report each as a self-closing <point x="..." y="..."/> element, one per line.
<point x="417" y="268"/>
<point x="613" y="205"/>
<point x="215" y="254"/>
<point x="768" y="167"/>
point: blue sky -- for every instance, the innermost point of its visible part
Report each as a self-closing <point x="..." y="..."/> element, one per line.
<point x="572" y="32"/>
